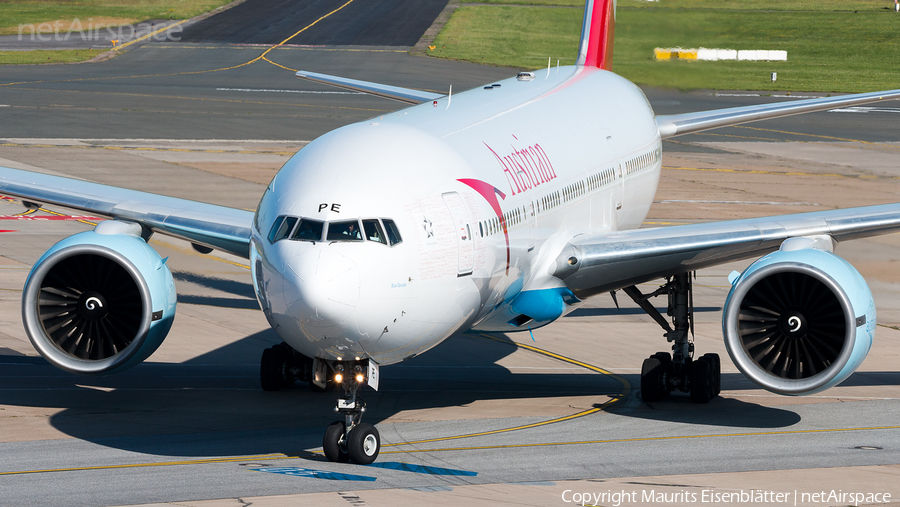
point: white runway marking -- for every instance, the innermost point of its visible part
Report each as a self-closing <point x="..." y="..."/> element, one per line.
<point x="784" y="96"/>
<point x="48" y="140"/>
<point x="265" y="90"/>
<point x="862" y="109"/>
<point x="770" y="203"/>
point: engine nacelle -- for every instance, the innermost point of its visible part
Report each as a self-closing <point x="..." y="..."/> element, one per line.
<point x="99" y="301"/>
<point x="799" y="320"/>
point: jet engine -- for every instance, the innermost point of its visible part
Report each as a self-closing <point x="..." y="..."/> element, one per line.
<point x="99" y="301"/>
<point x="800" y="319"/>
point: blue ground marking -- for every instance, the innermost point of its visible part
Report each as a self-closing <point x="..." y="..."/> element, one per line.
<point x="316" y="474"/>
<point x="419" y="469"/>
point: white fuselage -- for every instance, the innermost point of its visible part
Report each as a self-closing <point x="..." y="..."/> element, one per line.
<point x="484" y="188"/>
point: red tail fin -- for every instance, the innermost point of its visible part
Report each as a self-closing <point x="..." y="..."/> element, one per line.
<point x="596" y="48"/>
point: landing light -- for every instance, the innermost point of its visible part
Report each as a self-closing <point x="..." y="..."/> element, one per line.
<point x="359" y="378"/>
<point x="338" y="378"/>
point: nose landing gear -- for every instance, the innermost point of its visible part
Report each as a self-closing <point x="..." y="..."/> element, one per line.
<point x="351" y="438"/>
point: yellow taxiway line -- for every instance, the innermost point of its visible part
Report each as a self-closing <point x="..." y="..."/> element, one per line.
<point x="650" y="439"/>
<point x="236" y="459"/>
<point x="626" y="389"/>
<point x="156" y="464"/>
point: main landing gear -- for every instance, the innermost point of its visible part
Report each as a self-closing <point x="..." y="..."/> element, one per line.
<point x="662" y="372"/>
<point x="350" y="439"/>
<point x="281" y="366"/>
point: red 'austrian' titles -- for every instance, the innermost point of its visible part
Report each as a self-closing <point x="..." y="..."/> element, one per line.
<point x="526" y="168"/>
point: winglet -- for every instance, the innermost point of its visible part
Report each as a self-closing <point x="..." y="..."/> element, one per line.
<point x="596" y="49"/>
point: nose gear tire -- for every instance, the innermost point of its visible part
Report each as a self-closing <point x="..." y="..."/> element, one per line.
<point x="364" y="444"/>
<point x="333" y="443"/>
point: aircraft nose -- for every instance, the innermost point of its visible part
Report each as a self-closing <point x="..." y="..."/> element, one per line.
<point x="324" y="288"/>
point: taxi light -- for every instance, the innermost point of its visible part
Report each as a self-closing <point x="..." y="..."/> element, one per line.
<point x="359" y="378"/>
<point x="338" y="378"/>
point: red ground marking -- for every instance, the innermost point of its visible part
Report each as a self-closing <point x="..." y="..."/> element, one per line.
<point x="53" y="217"/>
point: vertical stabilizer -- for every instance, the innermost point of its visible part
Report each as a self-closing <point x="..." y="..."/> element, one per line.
<point x="596" y="49"/>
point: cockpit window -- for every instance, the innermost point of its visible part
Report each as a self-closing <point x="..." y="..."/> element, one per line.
<point x="274" y="230"/>
<point x="308" y="230"/>
<point x="286" y="227"/>
<point x="344" y="231"/>
<point x="264" y="210"/>
<point x="373" y="231"/>
<point x="304" y="229"/>
<point x="392" y="232"/>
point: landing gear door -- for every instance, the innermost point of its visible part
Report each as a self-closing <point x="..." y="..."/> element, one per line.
<point x="464" y="240"/>
<point x="373" y="375"/>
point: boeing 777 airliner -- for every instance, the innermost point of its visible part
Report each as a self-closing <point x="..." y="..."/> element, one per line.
<point x="496" y="209"/>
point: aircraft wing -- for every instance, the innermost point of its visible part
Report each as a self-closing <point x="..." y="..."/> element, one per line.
<point x="671" y="125"/>
<point x="218" y="227"/>
<point x="593" y="263"/>
<point x="406" y="95"/>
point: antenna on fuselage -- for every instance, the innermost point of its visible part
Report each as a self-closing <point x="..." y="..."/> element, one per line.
<point x="549" y="59"/>
<point x="449" y="96"/>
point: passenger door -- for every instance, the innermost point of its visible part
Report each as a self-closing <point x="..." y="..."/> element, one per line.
<point x="464" y="240"/>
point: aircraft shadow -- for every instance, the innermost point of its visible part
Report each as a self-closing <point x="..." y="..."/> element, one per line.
<point x="236" y="303"/>
<point x="234" y="287"/>
<point x="720" y="412"/>
<point x="598" y="312"/>
<point x="212" y="405"/>
<point x="245" y="298"/>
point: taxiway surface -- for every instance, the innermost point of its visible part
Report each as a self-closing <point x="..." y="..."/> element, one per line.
<point x="479" y="419"/>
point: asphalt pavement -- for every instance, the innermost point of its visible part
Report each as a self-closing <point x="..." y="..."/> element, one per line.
<point x="474" y="421"/>
<point x="358" y="23"/>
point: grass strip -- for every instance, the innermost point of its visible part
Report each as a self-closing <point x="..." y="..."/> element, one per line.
<point x="562" y="3"/>
<point x="47" y="56"/>
<point x="57" y="14"/>
<point x="762" y="5"/>
<point x="740" y="5"/>
<point x="511" y="36"/>
<point x="828" y="50"/>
